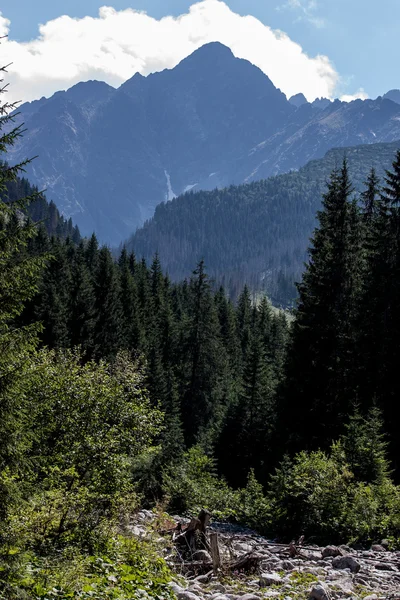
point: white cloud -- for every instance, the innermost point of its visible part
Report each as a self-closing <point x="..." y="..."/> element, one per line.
<point x="116" y="44"/>
<point x="360" y="95"/>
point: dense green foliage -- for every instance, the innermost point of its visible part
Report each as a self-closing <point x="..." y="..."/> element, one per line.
<point x="255" y="234"/>
<point x="39" y="209"/>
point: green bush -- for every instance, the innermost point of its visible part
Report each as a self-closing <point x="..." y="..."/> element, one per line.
<point x="130" y="569"/>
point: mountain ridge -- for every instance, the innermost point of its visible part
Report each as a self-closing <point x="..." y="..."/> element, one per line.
<point x="109" y="156"/>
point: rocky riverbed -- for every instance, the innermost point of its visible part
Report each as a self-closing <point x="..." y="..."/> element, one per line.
<point x="301" y="573"/>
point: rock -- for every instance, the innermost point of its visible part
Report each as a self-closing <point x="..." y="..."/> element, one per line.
<point x="331" y="551"/>
<point x="137" y="531"/>
<point x="175" y="587"/>
<point x="184" y="595"/>
<point x="346" y="549"/>
<point x="385" y="567"/>
<point x="287" y="565"/>
<point x="218" y="587"/>
<point x="204" y="578"/>
<point x="202" y="555"/>
<point x="385" y="544"/>
<point x="319" y="592"/>
<point x="371" y="597"/>
<point x="346" y="562"/>
<point x="268" y="579"/>
<point x="378" y="548"/>
<point x="249" y="597"/>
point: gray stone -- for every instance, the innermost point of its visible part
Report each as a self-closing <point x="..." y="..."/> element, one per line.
<point x="331" y="551"/>
<point x="249" y="597"/>
<point x="385" y="567"/>
<point x="346" y="562"/>
<point x="287" y="565"/>
<point x="371" y="597"/>
<point x="378" y="548"/>
<point x="175" y="587"/>
<point x="186" y="596"/>
<point x="202" y="555"/>
<point x="268" y="579"/>
<point x="346" y="549"/>
<point x="319" y="592"/>
<point x="385" y="543"/>
<point x="203" y="578"/>
<point x="218" y="587"/>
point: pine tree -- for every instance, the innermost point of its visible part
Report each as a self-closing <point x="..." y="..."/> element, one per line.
<point x="369" y="196"/>
<point x="19" y="275"/>
<point x="380" y="335"/>
<point x="133" y="335"/>
<point x="365" y="447"/>
<point x="316" y="393"/>
<point x="107" y="330"/>
<point x="81" y="309"/>
<point x="203" y="360"/>
<point x="246" y="434"/>
<point x="52" y="304"/>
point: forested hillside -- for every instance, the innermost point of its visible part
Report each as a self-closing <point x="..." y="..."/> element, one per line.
<point x="255" y="234"/>
<point x="39" y="209"/>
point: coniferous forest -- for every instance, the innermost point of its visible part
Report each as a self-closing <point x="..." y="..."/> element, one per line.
<point x="120" y="389"/>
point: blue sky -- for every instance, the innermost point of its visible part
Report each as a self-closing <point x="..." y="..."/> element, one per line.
<point x="360" y="37"/>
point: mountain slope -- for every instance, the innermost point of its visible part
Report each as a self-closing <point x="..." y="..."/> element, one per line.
<point x="256" y="233"/>
<point x="108" y="157"/>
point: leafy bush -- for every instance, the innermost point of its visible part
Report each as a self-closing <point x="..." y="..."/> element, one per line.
<point x="131" y="568"/>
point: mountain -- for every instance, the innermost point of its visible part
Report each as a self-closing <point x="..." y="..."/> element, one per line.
<point x="298" y="100"/>
<point x="393" y="95"/>
<point x="109" y="156"/>
<point x="256" y="233"/>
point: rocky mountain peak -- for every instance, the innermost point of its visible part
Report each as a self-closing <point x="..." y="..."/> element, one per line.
<point x="298" y="100"/>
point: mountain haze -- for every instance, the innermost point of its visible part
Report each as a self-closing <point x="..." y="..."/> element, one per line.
<point x="108" y="157"/>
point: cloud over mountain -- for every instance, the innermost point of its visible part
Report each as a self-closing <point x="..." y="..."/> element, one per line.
<point x="116" y="44"/>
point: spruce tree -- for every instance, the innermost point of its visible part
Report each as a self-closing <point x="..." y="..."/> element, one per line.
<point x="107" y="333"/>
<point x="19" y="275"/>
<point x="203" y="360"/>
<point x="315" y="397"/>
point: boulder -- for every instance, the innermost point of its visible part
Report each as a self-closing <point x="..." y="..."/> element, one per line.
<point x="319" y="592"/>
<point x="346" y="562"/>
<point x="378" y="548"/>
<point x="184" y="595"/>
<point x="202" y="555"/>
<point x="331" y="551"/>
<point x="268" y="579"/>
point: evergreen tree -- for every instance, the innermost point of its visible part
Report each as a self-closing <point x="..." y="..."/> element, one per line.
<point x="380" y="332"/>
<point x="365" y="447"/>
<point x="81" y="310"/>
<point x="52" y="305"/>
<point x="316" y="393"/>
<point x="19" y="274"/>
<point x="203" y="364"/>
<point x="132" y="332"/>
<point x="369" y="196"/>
<point x="108" y="327"/>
